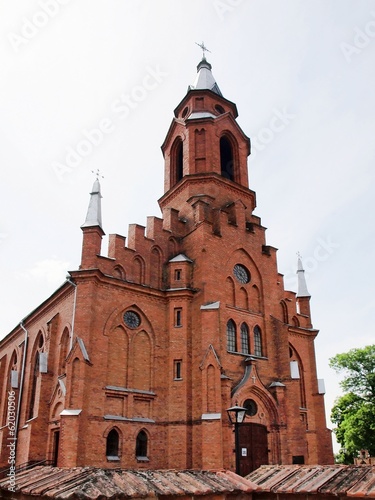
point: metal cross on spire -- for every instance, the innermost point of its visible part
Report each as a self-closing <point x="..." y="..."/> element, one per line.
<point x="204" y="48"/>
<point x="97" y="173"/>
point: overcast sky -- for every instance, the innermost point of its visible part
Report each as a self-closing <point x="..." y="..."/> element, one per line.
<point x="92" y="84"/>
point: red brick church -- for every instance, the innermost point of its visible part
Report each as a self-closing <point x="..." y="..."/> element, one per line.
<point x="135" y="359"/>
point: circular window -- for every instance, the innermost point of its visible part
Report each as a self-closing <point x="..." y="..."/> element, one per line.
<point x="251" y="407"/>
<point x="132" y="319"/>
<point x="241" y="273"/>
<point x="219" y="109"/>
<point x="185" y="112"/>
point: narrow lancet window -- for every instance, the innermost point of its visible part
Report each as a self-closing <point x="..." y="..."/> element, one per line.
<point x="226" y="159"/>
<point x="179" y="161"/>
<point x="257" y="341"/>
<point x="244" y="339"/>
<point x="141" y="445"/>
<point x="112" y="445"/>
<point x="231" y="336"/>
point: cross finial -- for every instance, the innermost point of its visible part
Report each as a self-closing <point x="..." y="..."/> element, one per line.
<point x="204" y="48"/>
<point x="97" y="173"/>
<point x="299" y="255"/>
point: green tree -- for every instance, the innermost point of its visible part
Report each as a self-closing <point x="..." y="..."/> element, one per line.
<point x="354" y="412"/>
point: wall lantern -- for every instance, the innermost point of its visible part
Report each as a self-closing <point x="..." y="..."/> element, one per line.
<point x="236" y="415"/>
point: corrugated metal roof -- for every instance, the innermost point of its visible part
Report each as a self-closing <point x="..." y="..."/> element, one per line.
<point x="91" y="483"/>
<point x="337" y="480"/>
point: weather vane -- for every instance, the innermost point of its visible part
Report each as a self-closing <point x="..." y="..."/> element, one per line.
<point x="299" y="255"/>
<point x="204" y="48"/>
<point x="97" y="173"/>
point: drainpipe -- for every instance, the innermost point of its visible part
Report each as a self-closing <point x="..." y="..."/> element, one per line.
<point x="74" y="310"/>
<point x="21" y="382"/>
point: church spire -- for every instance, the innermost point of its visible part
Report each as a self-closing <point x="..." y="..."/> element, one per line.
<point x="205" y="79"/>
<point x="302" y="287"/>
<point x="94" y="212"/>
<point x="92" y="228"/>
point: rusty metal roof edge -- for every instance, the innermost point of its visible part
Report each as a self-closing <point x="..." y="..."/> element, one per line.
<point x="277" y="488"/>
<point x="316" y="476"/>
<point x="336" y="480"/>
<point x="79" y="482"/>
<point x="337" y="488"/>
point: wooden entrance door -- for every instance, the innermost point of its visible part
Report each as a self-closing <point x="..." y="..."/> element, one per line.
<point x="55" y="454"/>
<point x="253" y="447"/>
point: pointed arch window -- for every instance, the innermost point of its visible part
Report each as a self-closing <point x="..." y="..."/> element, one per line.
<point x="257" y="341"/>
<point x="226" y="158"/>
<point x="284" y="311"/>
<point x="38" y="366"/>
<point x="14" y="371"/>
<point x="112" y="445"/>
<point x="141" y="445"/>
<point x="155" y="267"/>
<point x="178" y="160"/>
<point x="231" y="336"/>
<point x="296" y="373"/>
<point x="244" y="338"/>
<point x="34" y="383"/>
<point x="64" y="349"/>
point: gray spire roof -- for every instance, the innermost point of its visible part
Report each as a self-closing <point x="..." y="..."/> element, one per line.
<point x="94" y="212"/>
<point x="302" y="287"/>
<point x="205" y="79"/>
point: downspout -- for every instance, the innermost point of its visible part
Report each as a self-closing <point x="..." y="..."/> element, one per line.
<point x="21" y="382"/>
<point x="74" y="310"/>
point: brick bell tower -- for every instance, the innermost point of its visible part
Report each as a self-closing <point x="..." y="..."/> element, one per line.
<point x="245" y="339"/>
<point x="205" y="152"/>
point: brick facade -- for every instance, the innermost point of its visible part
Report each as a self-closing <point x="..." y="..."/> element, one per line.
<point x="147" y="347"/>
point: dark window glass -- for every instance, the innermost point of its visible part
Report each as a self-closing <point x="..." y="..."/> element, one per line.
<point x="226" y="159"/>
<point x="179" y="161"/>
<point x="177" y="370"/>
<point x="251" y="407"/>
<point x="244" y="339"/>
<point x="231" y="336"/>
<point x="241" y="273"/>
<point x="32" y="404"/>
<point x="112" y="444"/>
<point x="257" y="341"/>
<point x="141" y="445"/>
<point x="178" y="317"/>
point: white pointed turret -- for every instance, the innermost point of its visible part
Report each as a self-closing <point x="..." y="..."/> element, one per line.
<point x="94" y="212"/>
<point x="205" y="79"/>
<point x="92" y="229"/>
<point x="302" y="287"/>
